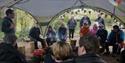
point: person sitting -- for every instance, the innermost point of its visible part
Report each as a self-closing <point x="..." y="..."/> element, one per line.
<point x="102" y="34"/>
<point x="8" y="52"/>
<point x="88" y="49"/>
<point x="100" y="20"/>
<point x="85" y="19"/>
<point x="115" y="39"/>
<point x="34" y="35"/>
<point x="94" y="30"/>
<point x="62" y="33"/>
<point x="84" y="30"/>
<point x="51" y="36"/>
<point x="59" y="55"/>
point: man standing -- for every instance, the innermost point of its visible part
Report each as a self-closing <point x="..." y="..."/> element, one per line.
<point x="8" y="26"/>
<point x="71" y="26"/>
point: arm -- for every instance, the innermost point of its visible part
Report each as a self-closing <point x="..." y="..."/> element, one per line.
<point x="6" y="26"/>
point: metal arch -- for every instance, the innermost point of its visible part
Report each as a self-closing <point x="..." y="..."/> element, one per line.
<point x="27" y="12"/>
<point x="82" y="6"/>
<point x="37" y="22"/>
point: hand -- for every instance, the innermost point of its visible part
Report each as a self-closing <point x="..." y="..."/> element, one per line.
<point x="81" y="51"/>
<point x="12" y="26"/>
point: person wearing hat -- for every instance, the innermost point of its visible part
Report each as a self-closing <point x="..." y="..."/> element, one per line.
<point x="102" y="36"/>
<point x="116" y="38"/>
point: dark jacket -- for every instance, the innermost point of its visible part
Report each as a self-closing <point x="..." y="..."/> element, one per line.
<point x="71" y="24"/>
<point x="116" y="37"/>
<point x="62" y="30"/>
<point x="67" y="61"/>
<point x="7" y="22"/>
<point x="34" y="32"/>
<point x="102" y="33"/>
<point x="82" y="21"/>
<point x="9" y="54"/>
<point x="89" y="58"/>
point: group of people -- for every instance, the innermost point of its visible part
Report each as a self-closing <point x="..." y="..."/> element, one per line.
<point x="60" y="51"/>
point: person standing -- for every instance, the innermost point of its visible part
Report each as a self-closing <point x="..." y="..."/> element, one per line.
<point x="71" y="26"/>
<point x="8" y="26"/>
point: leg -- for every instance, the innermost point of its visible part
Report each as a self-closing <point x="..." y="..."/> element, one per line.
<point x="73" y="33"/>
<point x="48" y="41"/>
<point x="107" y="47"/>
<point x="42" y="42"/>
<point x="115" y="48"/>
<point x="102" y="45"/>
<point x="70" y="33"/>
<point x="35" y="44"/>
<point x="119" y="49"/>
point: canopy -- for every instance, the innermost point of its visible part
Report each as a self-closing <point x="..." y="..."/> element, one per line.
<point x="52" y="7"/>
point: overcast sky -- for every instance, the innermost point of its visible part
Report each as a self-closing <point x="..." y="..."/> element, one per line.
<point x="52" y="7"/>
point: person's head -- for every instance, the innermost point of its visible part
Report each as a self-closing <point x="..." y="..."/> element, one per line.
<point x="85" y="16"/>
<point x="49" y="27"/>
<point x="10" y="39"/>
<point x="89" y="43"/>
<point x="62" y="25"/>
<point x="115" y="28"/>
<point x="99" y="15"/>
<point x="61" y="51"/>
<point x="10" y="13"/>
<point x="95" y="27"/>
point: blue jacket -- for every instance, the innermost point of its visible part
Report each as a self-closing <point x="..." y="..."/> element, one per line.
<point x="112" y="37"/>
<point x="71" y="24"/>
<point x="62" y="30"/>
<point x="51" y="34"/>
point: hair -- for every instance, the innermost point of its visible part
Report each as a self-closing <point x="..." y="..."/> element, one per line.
<point x="10" y="39"/>
<point x="9" y="11"/>
<point x="90" y="43"/>
<point x="61" y="51"/>
<point x="115" y="27"/>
